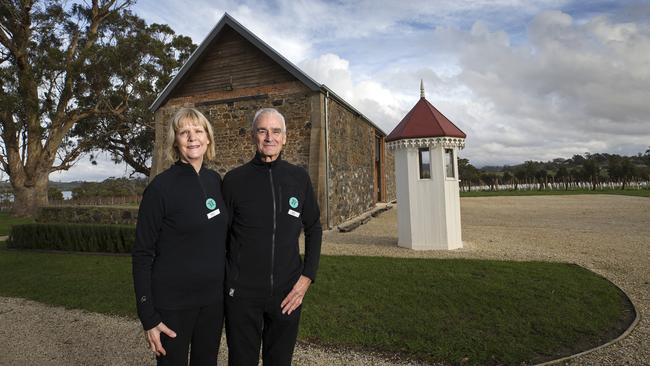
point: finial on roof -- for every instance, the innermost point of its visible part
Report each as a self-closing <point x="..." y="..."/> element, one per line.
<point x="421" y="88"/>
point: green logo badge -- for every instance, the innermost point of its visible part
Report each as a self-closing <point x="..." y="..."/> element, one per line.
<point x="210" y="204"/>
<point x="293" y="202"/>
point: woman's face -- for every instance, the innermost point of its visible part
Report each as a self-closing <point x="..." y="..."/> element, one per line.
<point x="191" y="141"/>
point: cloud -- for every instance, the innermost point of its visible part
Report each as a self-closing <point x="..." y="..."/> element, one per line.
<point x="84" y="170"/>
<point x="524" y="79"/>
<point x="574" y="86"/>
<point x="378" y="103"/>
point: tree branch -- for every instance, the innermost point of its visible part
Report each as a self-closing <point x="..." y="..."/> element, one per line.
<point x="69" y="160"/>
<point x="120" y="148"/>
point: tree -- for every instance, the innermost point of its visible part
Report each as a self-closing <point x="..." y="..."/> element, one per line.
<point x="530" y="169"/>
<point x="54" y="194"/>
<point x="542" y="178"/>
<point x="646" y="157"/>
<point x="507" y="177"/>
<point x="150" y="59"/>
<point x="591" y="172"/>
<point x="62" y="68"/>
<point x="628" y="171"/>
<point x="578" y="159"/>
<point x="110" y="187"/>
<point x="490" y="179"/>
<point x="467" y="172"/>
<point x="563" y="176"/>
<point x="520" y="176"/>
<point x="614" y="168"/>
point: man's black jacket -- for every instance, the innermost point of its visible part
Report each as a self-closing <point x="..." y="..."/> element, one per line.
<point x="269" y="204"/>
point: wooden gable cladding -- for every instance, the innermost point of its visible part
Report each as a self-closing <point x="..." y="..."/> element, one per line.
<point x="230" y="63"/>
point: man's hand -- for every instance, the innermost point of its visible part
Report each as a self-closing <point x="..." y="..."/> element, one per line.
<point x="153" y="338"/>
<point x="294" y="298"/>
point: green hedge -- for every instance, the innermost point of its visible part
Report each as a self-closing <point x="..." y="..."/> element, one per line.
<point x="89" y="215"/>
<point x="73" y="237"/>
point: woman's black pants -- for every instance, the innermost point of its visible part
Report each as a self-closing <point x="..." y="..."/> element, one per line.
<point x="198" y="329"/>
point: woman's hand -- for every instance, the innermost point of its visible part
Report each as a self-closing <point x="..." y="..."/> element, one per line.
<point x="153" y="338"/>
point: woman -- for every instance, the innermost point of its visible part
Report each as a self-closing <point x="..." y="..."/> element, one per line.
<point x="179" y="251"/>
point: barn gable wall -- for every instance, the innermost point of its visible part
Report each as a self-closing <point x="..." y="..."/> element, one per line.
<point x="230" y="63"/>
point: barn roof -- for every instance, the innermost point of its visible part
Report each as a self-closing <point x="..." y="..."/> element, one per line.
<point x="227" y="20"/>
<point x="424" y="120"/>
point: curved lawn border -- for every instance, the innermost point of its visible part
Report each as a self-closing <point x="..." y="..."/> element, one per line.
<point x="635" y="322"/>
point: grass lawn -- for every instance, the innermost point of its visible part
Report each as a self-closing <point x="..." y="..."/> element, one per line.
<point x="6" y="221"/>
<point x="626" y="192"/>
<point x="487" y="312"/>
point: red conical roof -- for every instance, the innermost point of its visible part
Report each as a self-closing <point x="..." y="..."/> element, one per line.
<point x="424" y="120"/>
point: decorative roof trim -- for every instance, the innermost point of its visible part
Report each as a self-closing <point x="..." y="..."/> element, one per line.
<point x="445" y="142"/>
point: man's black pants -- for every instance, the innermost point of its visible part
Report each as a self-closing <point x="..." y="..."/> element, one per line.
<point x="251" y="321"/>
<point x="199" y="326"/>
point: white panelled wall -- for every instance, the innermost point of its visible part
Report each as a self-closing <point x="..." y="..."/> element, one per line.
<point x="429" y="208"/>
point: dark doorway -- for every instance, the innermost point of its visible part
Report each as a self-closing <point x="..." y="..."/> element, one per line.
<point x="379" y="168"/>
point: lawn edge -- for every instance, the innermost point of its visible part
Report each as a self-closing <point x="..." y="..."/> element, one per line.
<point x="635" y="322"/>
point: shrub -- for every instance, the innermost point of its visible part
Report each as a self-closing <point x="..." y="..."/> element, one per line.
<point x="88" y="215"/>
<point x="54" y="194"/>
<point x="73" y="237"/>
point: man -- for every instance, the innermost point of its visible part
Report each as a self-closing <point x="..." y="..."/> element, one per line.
<point x="270" y="202"/>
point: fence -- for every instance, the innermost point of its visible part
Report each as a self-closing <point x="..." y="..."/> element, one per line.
<point x="100" y="201"/>
<point x="555" y="186"/>
<point x="6" y="205"/>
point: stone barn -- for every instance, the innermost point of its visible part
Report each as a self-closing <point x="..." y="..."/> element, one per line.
<point x="233" y="73"/>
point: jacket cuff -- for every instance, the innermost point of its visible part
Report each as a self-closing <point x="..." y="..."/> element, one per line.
<point x="310" y="274"/>
<point x="151" y="321"/>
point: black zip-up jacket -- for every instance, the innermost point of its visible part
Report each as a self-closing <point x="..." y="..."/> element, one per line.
<point x="270" y="203"/>
<point x="179" y="252"/>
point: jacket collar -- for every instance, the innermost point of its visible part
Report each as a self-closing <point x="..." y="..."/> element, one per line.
<point x="257" y="161"/>
<point x="187" y="167"/>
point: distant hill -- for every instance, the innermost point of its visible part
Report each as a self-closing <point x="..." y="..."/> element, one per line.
<point x="61" y="186"/>
<point x="65" y="186"/>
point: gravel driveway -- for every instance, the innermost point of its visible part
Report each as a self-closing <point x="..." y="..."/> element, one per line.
<point x="608" y="234"/>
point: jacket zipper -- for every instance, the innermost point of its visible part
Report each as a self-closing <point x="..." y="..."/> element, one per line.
<point x="205" y="195"/>
<point x="274" y="227"/>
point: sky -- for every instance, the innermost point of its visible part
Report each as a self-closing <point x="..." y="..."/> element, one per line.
<point x="525" y="80"/>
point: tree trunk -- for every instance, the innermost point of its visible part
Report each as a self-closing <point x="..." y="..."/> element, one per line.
<point x="30" y="195"/>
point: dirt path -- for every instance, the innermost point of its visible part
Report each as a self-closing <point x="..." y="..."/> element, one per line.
<point x="607" y="234"/>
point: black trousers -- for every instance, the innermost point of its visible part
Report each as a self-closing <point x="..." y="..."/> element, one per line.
<point x="200" y="327"/>
<point x="251" y="321"/>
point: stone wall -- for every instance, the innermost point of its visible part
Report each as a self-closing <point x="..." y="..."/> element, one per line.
<point x="351" y="149"/>
<point x="231" y="117"/>
<point x="351" y="141"/>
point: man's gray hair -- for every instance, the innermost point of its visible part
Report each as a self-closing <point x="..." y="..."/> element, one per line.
<point x="273" y="111"/>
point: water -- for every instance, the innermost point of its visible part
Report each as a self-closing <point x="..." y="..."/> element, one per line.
<point x="9" y="197"/>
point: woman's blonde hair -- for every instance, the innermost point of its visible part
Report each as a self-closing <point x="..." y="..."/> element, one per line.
<point x="183" y="116"/>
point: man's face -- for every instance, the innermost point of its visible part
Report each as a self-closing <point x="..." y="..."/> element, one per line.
<point x="269" y="136"/>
